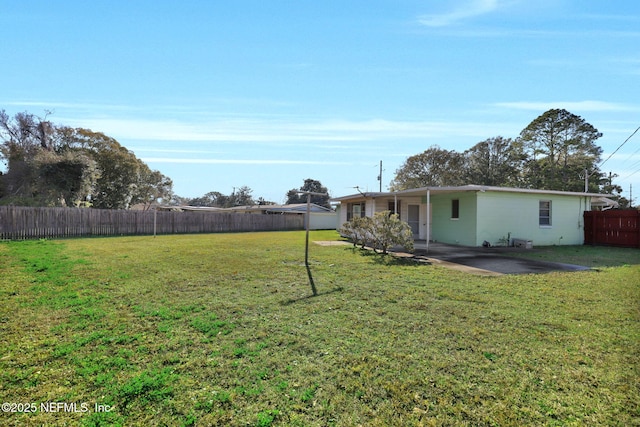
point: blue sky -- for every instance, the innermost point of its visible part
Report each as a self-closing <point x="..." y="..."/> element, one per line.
<point x="219" y="94"/>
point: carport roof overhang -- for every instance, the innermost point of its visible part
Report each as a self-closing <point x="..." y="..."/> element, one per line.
<point x="459" y="189"/>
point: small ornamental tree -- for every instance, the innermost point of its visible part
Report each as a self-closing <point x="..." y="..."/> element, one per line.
<point x="383" y="231"/>
<point x="358" y="230"/>
<point x="389" y="231"/>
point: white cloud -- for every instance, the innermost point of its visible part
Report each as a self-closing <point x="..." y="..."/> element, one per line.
<point x="468" y="9"/>
<point x="501" y="32"/>
<point x="46" y="105"/>
<point x="279" y="132"/>
<point x="239" y="161"/>
<point x="172" y="150"/>
<point x="611" y="17"/>
<point x="150" y="129"/>
<point x="587" y="105"/>
<point x="195" y="132"/>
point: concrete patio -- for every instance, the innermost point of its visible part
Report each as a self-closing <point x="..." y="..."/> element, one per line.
<point x="492" y="259"/>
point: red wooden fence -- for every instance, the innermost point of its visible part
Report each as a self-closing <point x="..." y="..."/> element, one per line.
<point x="613" y="228"/>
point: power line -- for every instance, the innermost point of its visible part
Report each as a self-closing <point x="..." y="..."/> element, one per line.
<point x="631" y="174"/>
<point x="635" y="152"/>
<point x="634" y="164"/>
<point x="630" y="158"/>
<point x="625" y="141"/>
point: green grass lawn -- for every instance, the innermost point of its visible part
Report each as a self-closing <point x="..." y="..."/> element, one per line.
<point x="221" y="329"/>
<point x="590" y="256"/>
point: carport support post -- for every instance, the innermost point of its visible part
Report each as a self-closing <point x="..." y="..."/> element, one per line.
<point x="395" y="204"/>
<point x="428" y="217"/>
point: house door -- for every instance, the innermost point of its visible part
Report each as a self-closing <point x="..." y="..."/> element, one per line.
<point x="414" y="220"/>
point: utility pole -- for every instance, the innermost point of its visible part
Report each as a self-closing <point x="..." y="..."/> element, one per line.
<point x="586" y="180"/>
<point x="380" y="176"/>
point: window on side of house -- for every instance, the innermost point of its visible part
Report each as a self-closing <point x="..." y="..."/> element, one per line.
<point x="394" y="207"/>
<point x="544" y="213"/>
<point x="355" y="210"/>
<point x="455" y="209"/>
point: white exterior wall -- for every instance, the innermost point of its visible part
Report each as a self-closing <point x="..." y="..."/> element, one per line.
<point x="324" y="221"/>
<point x="382" y="204"/>
<point x="341" y="210"/>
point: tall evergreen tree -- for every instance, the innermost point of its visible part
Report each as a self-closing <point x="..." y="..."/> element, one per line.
<point x="561" y="147"/>
<point x="495" y="161"/>
<point x="434" y="166"/>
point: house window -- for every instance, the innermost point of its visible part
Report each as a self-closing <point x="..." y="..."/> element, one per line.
<point x="544" y="213"/>
<point x="392" y="205"/>
<point x="355" y="210"/>
<point x="455" y="209"/>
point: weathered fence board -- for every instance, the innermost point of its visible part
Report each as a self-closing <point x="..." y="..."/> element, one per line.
<point x="19" y="223"/>
<point x="613" y="228"/>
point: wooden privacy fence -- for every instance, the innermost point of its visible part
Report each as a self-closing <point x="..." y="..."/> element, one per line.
<point x="613" y="228"/>
<point x="18" y="223"/>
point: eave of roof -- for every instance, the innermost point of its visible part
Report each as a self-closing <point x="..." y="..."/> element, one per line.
<point x="463" y="188"/>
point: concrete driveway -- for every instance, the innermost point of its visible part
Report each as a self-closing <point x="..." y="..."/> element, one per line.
<point x="494" y="259"/>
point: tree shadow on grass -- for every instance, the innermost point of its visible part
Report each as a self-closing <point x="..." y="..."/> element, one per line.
<point x="306" y="297"/>
<point x="390" y="259"/>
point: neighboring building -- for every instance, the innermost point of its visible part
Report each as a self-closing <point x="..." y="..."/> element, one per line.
<point x="603" y="204"/>
<point x="322" y="218"/>
<point x="472" y="214"/>
<point x="297" y="208"/>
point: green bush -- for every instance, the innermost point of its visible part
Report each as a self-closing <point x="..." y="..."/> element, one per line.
<point x="381" y="232"/>
<point x="358" y="230"/>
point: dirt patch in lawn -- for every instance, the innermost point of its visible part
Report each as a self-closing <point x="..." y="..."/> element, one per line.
<point x="332" y="243"/>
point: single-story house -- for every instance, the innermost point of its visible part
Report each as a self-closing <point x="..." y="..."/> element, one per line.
<point x="471" y="215"/>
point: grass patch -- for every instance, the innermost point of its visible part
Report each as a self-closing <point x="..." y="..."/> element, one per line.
<point x="221" y="330"/>
<point x="589" y="256"/>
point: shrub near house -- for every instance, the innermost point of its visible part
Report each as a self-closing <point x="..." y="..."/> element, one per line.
<point x="382" y="231"/>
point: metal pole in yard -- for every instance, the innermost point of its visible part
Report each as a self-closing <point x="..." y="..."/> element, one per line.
<point x="306" y="245"/>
